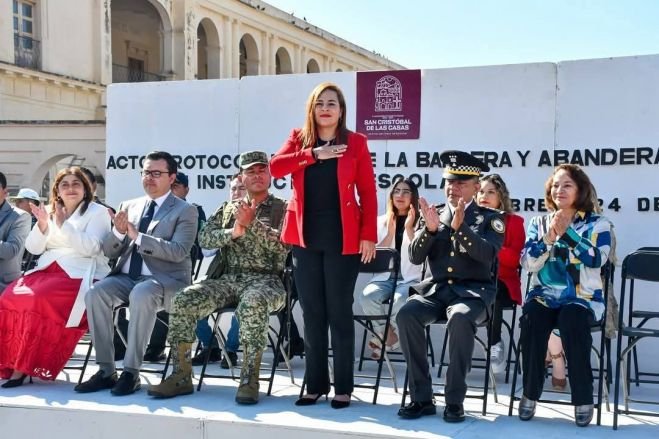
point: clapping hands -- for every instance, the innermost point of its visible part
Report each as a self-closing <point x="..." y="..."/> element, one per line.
<point x="430" y="215"/>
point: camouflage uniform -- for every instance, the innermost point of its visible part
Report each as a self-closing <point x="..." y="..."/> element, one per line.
<point x="245" y="273"/>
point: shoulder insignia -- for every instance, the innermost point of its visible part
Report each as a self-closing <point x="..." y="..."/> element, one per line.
<point x="498" y="226"/>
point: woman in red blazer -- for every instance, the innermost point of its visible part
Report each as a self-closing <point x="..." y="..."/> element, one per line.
<point x="329" y="230"/>
<point x="494" y="193"/>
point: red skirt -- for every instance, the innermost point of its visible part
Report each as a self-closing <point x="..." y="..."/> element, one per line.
<point x="34" y="310"/>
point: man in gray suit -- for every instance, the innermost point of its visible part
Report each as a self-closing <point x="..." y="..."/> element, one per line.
<point x="152" y="238"/>
<point x="14" y="227"/>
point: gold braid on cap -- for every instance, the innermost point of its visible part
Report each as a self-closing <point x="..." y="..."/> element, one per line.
<point x="464" y="170"/>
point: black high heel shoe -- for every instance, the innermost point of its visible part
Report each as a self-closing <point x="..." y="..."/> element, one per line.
<point x="16" y="382"/>
<point x="337" y="404"/>
<point x="306" y="400"/>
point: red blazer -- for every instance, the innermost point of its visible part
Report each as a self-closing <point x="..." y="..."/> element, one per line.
<point x="509" y="255"/>
<point x="354" y="171"/>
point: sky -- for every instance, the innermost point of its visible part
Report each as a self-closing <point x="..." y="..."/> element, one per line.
<point x="455" y="33"/>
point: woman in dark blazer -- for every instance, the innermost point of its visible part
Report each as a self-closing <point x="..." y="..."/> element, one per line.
<point x="329" y="230"/>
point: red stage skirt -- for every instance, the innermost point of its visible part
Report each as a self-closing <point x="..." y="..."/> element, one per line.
<point x="34" y="310"/>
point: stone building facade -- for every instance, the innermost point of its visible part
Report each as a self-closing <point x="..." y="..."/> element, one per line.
<point x="58" y="56"/>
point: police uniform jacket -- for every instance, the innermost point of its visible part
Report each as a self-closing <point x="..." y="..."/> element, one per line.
<point x="461" y="261"/>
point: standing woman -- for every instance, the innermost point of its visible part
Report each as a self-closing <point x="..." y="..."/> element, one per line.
<point x="330" y="233"/>
<point x="42" y="313"/>
<point x="395" y="230"/>
<point x="564" y="251"/>
<point x="494" y="194"/>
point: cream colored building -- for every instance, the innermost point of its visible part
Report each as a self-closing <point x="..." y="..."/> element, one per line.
<point x="57" y="57"/>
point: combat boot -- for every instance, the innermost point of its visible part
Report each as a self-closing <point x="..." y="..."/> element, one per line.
<point x="248" y="390"/>
<point x="180" y="381"/>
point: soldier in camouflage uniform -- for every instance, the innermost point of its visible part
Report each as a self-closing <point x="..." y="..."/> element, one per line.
<point x="245" y="273"/>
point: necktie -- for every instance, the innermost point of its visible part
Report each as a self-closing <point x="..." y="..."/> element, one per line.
<point x="135" y="269"/>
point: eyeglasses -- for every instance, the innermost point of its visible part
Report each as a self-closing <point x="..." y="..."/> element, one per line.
<point x="403" y="192"/>
<point x="153" y="174"/>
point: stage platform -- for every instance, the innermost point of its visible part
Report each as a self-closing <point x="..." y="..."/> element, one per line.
<point x="55" y="411"/>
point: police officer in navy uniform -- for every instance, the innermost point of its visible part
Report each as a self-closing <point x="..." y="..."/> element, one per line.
<point x="460" y="241"/>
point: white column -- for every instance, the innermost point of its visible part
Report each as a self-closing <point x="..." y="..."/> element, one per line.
<point x="190" y="38"/>
<point x="330" y="65"/>
<point x="235" y="50"/>
<point x="264" y="55"/>
<point x="6" y="32"/>
<point x="174" y="43"/>
<point x="298" y="61"/>
<point x="228" y="48"/>
<point x="104" y="58"/>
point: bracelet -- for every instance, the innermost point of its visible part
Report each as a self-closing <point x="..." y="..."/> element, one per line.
<point x="546" y="240"/>
<point x="314" y="153"/>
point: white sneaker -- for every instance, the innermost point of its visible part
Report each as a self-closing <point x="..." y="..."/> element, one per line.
<point x="498" y="357"/>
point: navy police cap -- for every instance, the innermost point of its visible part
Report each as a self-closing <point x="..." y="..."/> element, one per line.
<point x="460" y="165"/>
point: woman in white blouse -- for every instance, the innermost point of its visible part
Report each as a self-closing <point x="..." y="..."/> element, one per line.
<point x="395" y="230"/>
<point x="42" y="313"/>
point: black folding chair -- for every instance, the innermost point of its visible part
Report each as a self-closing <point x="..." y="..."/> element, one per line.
<point x="641" y="265"/>
<point x="276" y="337"/>
<point x="196" y="267"/>
<point x="122" y="337"/>
<point x="85" y="341"/>
<point x="600" y="353"/>
<point x="480" y="362"/>
<point x="645" y="316"/>
<point x="387" y="260"/>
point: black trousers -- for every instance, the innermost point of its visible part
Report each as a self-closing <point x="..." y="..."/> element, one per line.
<point x="502" y="300"/>
<point x="325" y="282"/>
<point x="574" y="322"/>
<point x="463" y="315"/>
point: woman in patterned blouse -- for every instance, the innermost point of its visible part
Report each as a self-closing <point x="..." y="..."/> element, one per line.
<point x="564" y="251"/>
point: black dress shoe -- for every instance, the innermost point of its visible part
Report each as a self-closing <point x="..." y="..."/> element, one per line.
<point x="307" y="400"/>
<point x="415" y="410"/>
<point x="215" y="356"/>
<point x="154" y="355"/>
<point x="224" y="364"/>
<point x="97" y="382"/>
<point x="17" y="382"/>
<point x="454" y="413"/>
<point x="338" y="404"/>
<point x="127" y="384"/>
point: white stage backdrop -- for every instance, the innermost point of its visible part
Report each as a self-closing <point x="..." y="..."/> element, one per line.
<point x="521" y="119"/>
